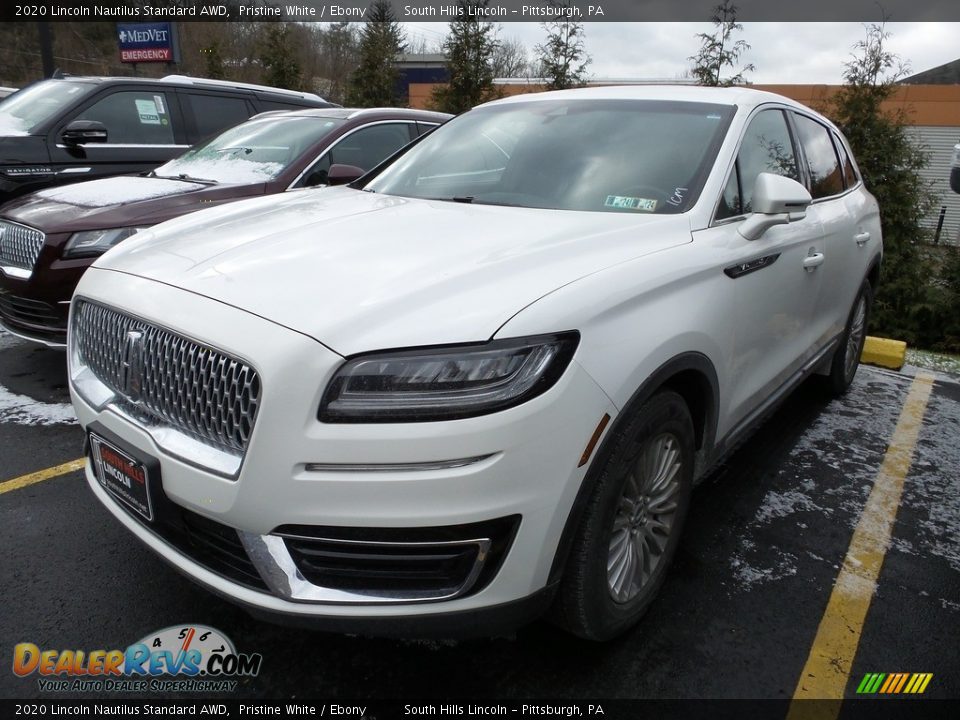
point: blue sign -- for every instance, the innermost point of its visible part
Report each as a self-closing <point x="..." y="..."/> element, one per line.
<point x="145" y="42"/>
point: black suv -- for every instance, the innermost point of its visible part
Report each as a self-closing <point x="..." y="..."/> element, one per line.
<point x="80" y="128"/>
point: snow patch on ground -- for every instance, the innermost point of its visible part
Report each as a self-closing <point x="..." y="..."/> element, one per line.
<point x="933" y="488"/>
<point x="781" y="504"/>
<point x="844" y="438"/>
<point x="941" y="362"/>
<point x="748" y="575"/>
<point x="23" y="410"/>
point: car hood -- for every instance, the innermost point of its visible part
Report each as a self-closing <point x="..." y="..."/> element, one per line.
<point x="117" y="202"/>
<point x="359" y="271"/>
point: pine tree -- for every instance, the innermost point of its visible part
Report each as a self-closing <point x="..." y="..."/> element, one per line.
<point x="469" y="49"/>
<point x="279" y="59"/>
<point x="563" y="58"/>
<point x="214" y="67"/>
<point x="374" y="82"/>
<point x="718" y="50"/>
<point x="890" y="164"/>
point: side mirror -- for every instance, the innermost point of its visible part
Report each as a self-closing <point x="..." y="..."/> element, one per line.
<point x="80" y="132"/>
<point x="777" y="200"/>
<point x="342" y="174"/>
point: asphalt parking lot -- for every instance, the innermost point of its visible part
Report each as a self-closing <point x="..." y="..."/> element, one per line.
<point x="746" y="612"/>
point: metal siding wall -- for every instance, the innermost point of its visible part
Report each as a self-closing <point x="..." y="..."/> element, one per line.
<point x="939" y="142"/>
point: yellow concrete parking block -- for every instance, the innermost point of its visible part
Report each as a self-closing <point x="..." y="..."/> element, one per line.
<point x="883" y="352"/>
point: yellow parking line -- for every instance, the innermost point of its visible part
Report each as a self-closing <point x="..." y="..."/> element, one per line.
<point x="827" y="671"/>
<point x="41" y="475"/>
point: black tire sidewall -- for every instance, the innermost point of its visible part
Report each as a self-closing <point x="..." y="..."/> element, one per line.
<point x="838" y="372"/>
<point x="598" y="616"/>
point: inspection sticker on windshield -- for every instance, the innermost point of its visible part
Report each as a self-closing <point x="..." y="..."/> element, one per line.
<point x="630" y="203"/>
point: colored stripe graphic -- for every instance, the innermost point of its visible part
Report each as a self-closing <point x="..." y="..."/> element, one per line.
<point x="894" y="683"/>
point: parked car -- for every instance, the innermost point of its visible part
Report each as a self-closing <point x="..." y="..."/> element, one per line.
<point x="80" y="128"/>
<point x="48" y="239"/>
<point x="480" y="382"/>
<point x="6" y="92"/>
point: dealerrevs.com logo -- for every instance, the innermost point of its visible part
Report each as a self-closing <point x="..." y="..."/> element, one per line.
<point x="180" y="658"/>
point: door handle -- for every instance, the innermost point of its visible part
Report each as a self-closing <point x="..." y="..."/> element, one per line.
<point x="812" y="262"/>
<point x="861" y="238"/>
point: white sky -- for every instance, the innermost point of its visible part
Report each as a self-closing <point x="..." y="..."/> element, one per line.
<point x="782" y="52"/>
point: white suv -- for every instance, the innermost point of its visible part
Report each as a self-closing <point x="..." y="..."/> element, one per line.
<point x="480" y="382"/>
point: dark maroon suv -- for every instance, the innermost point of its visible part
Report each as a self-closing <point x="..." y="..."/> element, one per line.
<point x="49" y="238"/>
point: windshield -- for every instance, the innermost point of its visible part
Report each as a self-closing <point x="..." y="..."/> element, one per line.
<point x="24" y="111"/>
<point x="256" y="151"/>
<point x="636" y="156"/>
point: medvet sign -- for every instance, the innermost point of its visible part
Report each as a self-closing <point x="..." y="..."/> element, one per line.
<point x="145" y="42"/>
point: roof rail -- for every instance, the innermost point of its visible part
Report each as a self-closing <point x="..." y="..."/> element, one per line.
<point x="187" y="80"/>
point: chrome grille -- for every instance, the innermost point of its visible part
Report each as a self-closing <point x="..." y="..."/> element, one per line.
<point x="19" y="245"/>
<point x="167" y="379"/>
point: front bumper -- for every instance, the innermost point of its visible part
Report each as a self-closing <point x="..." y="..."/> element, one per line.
<point x="371" y="480"/>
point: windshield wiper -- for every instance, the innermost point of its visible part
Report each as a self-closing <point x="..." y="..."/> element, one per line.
<point x="471" y="199"/>
<point x="184" y="176"/>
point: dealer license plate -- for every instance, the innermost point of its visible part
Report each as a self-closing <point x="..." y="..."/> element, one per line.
<point x="123" y="476"/>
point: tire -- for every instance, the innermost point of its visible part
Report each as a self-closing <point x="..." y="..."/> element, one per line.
<point x="846" y="358"/>
<point x="605" y="589"/>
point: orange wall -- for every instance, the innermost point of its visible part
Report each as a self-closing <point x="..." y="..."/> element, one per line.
<point x="935" y="105"/>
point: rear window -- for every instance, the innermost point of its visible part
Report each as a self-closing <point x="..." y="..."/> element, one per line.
<point x="213" y="113"/>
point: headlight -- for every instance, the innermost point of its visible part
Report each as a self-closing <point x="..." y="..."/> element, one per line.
<point x="445" y="383"/>
<point x="91" y="243"/>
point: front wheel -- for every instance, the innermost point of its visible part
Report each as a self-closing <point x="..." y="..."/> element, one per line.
<point x="846" y="358"/>
<point x="631" y="526"/>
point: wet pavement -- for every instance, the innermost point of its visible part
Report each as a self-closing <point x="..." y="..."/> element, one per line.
<point x="765" y="540"/>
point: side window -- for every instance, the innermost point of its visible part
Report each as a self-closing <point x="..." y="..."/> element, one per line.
<point x="766" y="147"/>
<point x="364" y="148"/>
<point x="369" y="146"/>
<point x="133" y="117"/>
<point x="826" y="177"/>
<point x="213" y="113"/>
<point x="849" y="174"/>
<point x="423" y="128"/>
<point x="730" y="201"/>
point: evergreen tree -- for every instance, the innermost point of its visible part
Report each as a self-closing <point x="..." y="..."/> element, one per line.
<point x="469" y="49"/>
<point x="374" y="82"/>
<point x="279" y="58"/>
<point x="718" y="50"/>
<point x="563" y="58"/>
<point x="890" y="164"/>
<point x="213" y="62"/>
